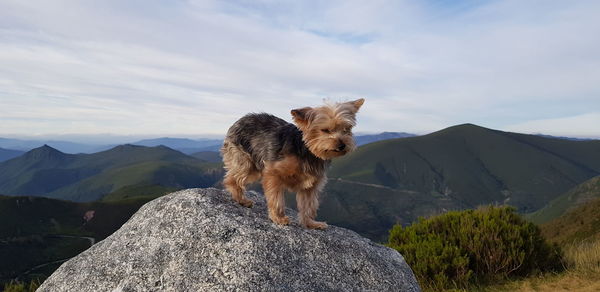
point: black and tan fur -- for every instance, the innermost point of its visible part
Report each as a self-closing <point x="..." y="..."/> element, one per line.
<point x="288" y="156"/>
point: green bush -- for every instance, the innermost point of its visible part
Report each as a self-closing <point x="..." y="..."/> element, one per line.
<point x="16" y="286"/>
<point x="457" y="249"/>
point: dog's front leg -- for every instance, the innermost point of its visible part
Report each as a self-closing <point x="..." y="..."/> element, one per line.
<point x="308" y="203"/>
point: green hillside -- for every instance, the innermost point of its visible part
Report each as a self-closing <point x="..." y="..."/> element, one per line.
<point x="48" y="172"/>
<point x="578" y="224"/>
<point x="38" y="234"/>
<point x="577" y="196"/>
<point x="372" y="210"/>
<point x="472" y="165"/>
<point x="141" y="190"/>
<point x="210" y="156"/>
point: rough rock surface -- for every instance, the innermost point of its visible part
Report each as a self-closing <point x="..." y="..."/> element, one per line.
<point x="200" y="240"/>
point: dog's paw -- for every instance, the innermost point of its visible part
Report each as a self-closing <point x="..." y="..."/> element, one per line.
<point x="317" y="225"/>
<point x="246" y="203"/>
<point x="283" y="220"/>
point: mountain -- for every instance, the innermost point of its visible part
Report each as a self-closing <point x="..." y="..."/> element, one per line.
<point x="578" y="196"/>
<point x="64" y="146"/>
<point x="576" y="225"/>
<point x="380" y="184"/>
<point x="566" y="138"/>
<point x="186" y="146"/>
<point x="371" y="210"/>
<point x="6" y="154"/>
<point x="189" y="146"/>
<point x="211" y="148"/>
<point x="38" y="234"/>
<point x="456" y="168"/>
<point x="210" y="156"/>
<point x="48" y="172"/>
<point x="366" y="139"/>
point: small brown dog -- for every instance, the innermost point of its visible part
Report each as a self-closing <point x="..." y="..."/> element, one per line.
<point x="288" y="156"/>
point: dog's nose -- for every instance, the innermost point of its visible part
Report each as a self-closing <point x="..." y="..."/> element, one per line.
<point x="341" y="146"/>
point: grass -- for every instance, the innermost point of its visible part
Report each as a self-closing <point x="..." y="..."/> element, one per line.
<point x="582" y="263"/>
<point x="583" y="256"/>
<point x="567" y="281"/>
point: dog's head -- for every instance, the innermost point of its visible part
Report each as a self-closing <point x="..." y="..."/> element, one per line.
<point x="327" y="130"/>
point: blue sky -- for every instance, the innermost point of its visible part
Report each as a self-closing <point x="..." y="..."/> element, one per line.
<point x="186" y="68"/>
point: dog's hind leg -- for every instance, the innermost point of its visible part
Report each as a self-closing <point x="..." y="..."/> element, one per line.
<point x="240" y="171"/>
<point x="275" y="200"/>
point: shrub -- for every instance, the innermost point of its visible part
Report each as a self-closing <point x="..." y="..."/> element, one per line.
<point x="457" y="249"/>
<point x="16" y="286"/>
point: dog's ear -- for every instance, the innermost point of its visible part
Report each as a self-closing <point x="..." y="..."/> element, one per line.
<point x="357" y="104"/>
<point x="302" y="116"/>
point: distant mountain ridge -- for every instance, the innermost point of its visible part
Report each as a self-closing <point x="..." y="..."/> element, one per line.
<point x="181" y="144"/>
<point x="65" y="146"/>
<point x="45" y="171"/>
<point x="370" y="138"/>
<point x="6" y="154"/>
<point x="383" y="183"/>
<point x="187" y="146"/>
<point x="566" y="138"/>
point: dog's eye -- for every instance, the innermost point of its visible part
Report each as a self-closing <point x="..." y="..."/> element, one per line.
<point x="327" y="131"/>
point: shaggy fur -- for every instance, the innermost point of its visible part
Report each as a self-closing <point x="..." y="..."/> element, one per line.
<point x="287" y="156"/>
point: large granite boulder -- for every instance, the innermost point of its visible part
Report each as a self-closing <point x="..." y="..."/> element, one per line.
<point x="200" y="240"/>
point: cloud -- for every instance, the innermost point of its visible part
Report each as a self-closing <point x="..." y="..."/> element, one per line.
<point x="189" y="67"/>
<point x="587" y="126"/>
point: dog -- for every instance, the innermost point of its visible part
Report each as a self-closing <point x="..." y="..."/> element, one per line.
<point x="288" y="156"/>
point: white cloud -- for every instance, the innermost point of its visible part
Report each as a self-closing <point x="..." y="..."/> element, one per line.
<point x="586" y="125"/>
<point x="189" y="67"/>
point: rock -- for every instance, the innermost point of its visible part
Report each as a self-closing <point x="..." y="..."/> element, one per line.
<point x="200" y="240"/>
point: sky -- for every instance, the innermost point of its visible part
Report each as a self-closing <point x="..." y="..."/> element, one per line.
<point x="189" y="68"/>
